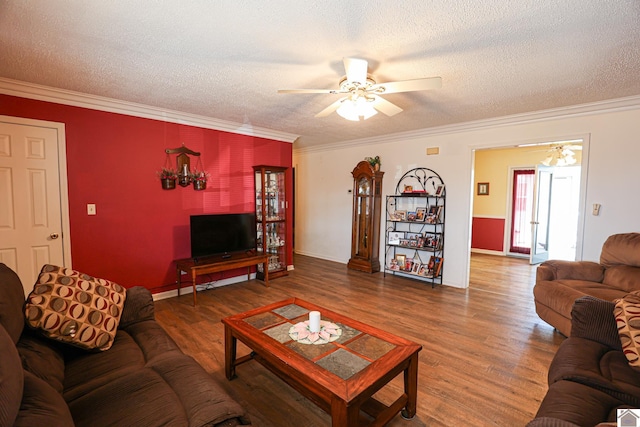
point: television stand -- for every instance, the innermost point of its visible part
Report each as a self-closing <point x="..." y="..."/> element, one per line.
<point x="219" y="263"/>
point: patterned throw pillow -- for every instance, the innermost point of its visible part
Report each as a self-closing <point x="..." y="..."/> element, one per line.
<point x="627" y="314"/>
<point x="75" y="308"/>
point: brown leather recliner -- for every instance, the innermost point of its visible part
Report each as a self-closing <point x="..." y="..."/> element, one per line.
<point x="560" y="283"/>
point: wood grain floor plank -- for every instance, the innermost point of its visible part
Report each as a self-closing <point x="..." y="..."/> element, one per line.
<point x="485" y="351"/>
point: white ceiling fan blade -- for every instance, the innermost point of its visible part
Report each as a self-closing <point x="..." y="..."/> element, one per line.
<point x="331" y="108"/>
<point x="385" y="106"/>
<point x="309" y="91"/>
<point x="408" y="85"/>
<point x="356" y="70"/>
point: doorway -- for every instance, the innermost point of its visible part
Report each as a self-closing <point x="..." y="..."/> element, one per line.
<point x="497" y="167"/>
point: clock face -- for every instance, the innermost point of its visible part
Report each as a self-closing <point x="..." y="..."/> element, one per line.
<point x="364" y="187"/>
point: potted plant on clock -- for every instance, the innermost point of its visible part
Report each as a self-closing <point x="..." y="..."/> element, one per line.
<point x="374" y="162"/>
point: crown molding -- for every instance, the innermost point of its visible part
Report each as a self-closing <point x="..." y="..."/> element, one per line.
<point x="606" y="106"/>
<point x="93" y="102"/>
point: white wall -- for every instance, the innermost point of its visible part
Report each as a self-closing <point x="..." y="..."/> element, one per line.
<point x="323" y="178"/>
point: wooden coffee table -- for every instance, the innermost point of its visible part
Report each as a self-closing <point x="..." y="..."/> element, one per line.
<point x="340" y="376"/>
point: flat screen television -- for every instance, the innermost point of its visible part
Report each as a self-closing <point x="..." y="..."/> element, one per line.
<point x="222" y="234"/>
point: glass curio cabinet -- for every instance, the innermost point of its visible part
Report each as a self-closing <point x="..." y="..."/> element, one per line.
<point x="271" y="220"/>
<point x="365" y="233"/>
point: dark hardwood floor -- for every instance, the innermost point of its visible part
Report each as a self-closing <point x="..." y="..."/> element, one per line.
<point x="485" y="351"/>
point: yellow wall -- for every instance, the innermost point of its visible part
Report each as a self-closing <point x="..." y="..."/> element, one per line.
<point x="493" y="166"/>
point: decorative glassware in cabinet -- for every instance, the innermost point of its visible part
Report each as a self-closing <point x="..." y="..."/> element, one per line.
<point x="271" y="219"/>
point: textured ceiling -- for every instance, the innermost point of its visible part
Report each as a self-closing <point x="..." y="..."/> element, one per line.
<point x="226" y="59"/>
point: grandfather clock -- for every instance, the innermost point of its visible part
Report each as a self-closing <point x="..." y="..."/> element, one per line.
<point x="365" y="229"/>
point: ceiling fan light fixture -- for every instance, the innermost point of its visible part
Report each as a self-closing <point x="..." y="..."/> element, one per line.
<point x="560" y="156"/>
<point x="353" y="109"/>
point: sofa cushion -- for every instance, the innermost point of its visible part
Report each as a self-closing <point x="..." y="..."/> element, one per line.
<point x="11" y="302"/>
<point x="596" y="365"/>
<point x="75" y="308"/>
<point x="623" y="277"/>
<point x="141" y="398"/>
<point x="593" y="319"/>
<point x="11" y="379"/>
<point x="559" y="295"/>
<point x="621" y="249"/>
<point x="627" y="313"/>
<point x="42" y="405"/>
<point x="138" y="307"/>
<point x="211" y="405"/>
<point x="88" y="371"/>
<point x="578" y="404"/>
<point x="43" y="358"/>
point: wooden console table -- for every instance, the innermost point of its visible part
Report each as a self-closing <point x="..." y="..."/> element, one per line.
<point x="217" y="264"/>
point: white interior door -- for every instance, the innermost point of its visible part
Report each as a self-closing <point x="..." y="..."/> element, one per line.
<point x="31" y="231"/>
<point x="541" y="214"/>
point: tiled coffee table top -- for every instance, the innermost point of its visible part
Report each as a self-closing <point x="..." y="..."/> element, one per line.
<point x="344" y="357"/>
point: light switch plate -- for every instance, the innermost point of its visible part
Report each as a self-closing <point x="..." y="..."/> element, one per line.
<point x="91" y="209"/>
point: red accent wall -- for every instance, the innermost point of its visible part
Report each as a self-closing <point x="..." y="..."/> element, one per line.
<point x="140" y="229"/>
<point x="488" y="233"/>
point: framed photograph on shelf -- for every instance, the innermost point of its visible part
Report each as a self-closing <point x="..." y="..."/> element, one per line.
<point x="401" y="260"/>
<point x="423" y="270"/>
<point x="408" y="265"/>
<point x="415" y="268"/>
<point x="394" y="216"/>
<point x="411" y="216"/>
<point x="421" y="214"/>
<point x="439" y="190"/>
<point x="434" y="267"/>
<point x="483" y="189"/>
<point x="395" y="236"/>
<point x="432" y="214"/>
<point x="393" y="264"/>
<point x="408" y="189"/>
<point x="432" y="241"/>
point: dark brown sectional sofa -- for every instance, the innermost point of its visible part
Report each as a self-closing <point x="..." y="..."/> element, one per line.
<point x="142" y="380"/>
<point x="589" y="377"/>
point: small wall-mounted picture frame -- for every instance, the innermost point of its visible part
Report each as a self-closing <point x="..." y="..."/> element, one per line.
<point x="483" y="189"/>
<point x="439" y="190"/>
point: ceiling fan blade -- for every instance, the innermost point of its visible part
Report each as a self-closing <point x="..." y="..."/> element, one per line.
<point x="408" y="85"/>
<point x="331" y="108"/>
<point x="310" y="91"/>
<point x="356" y="70"/>
<point x="385" y="106"/>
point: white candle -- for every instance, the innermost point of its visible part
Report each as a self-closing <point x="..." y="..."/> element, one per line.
<point x="314" y="321"/>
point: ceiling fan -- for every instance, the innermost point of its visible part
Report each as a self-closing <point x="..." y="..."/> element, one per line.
<point x="561" y="155"/>
<point x="361" y="93"/>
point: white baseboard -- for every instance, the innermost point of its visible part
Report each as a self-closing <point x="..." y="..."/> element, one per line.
<point x="201" y="287"/>
<point x="488" y="252"/>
